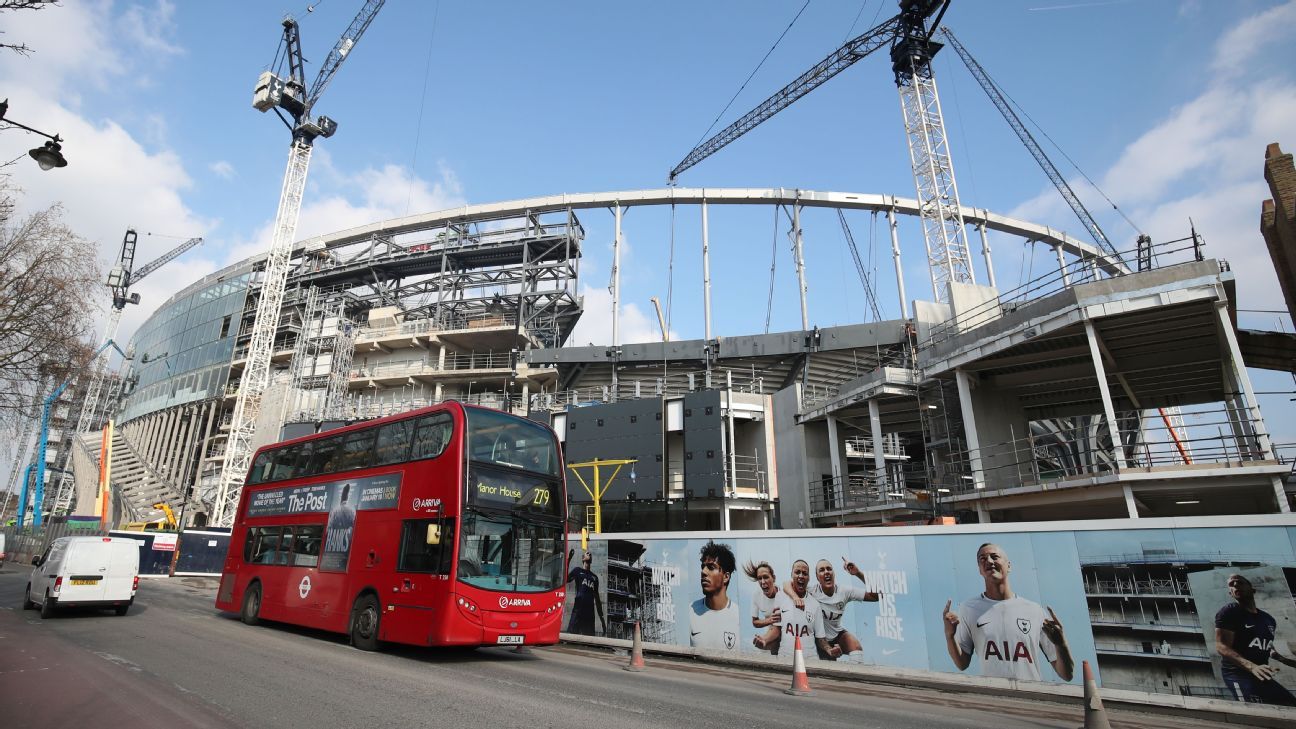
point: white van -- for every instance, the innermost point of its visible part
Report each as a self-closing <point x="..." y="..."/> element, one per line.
<point x="84" y="571"/>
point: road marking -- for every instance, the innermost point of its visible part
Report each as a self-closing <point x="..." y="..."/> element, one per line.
<point x="119" y="661"/>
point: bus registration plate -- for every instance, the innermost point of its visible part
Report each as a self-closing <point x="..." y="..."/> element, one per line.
<point x="84" y="582"/>
<point x="509" y="640"/>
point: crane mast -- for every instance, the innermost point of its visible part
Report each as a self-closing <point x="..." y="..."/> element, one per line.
<point x="948" y="256"/>
<point x="291" y="95"/>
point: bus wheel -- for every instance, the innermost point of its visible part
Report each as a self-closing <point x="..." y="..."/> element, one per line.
<point x="251" y="613"/>
<point x="364" y="623"/>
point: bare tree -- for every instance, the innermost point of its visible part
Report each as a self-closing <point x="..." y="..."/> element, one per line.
<point x="48" y="279"/>
<point x="7" y="5"/>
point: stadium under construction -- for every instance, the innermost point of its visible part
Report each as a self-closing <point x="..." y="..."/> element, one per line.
<point x="1099" y="389"/>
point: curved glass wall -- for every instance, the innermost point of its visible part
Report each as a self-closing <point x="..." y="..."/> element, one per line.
<point x="183" y="351"/>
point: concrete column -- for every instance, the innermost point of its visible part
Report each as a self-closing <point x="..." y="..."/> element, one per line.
<point x="879" y="460"/>
<point x="616" y="282"/>
<point x="1062" y="267"/>
<point x="1252" y="408"/>
<point x="985" y="253"/>
<point x="969" y="428"/>
<point x="834" y="453"/>
<point x="1131" y="506"/>
<point x="1280" y="495"/>
<point x="1108" y="409"/>
<point x="800" y="263"/>
<point x="706" y="275"/>
<point x="895" y="254"/>
<point x="983" y="514"/>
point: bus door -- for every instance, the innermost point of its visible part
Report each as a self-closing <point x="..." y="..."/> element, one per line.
<point x="305" y="589"/>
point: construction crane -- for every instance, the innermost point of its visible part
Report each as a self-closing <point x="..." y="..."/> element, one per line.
<point x="290" y="95"/>
<point x="1001" y="103"/>
<point x="859" y="267"/>
<point x="909" y="35"/>
<point x="120" y="279"/>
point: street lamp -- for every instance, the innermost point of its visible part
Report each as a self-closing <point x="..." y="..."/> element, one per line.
<point x="48" y="155"/>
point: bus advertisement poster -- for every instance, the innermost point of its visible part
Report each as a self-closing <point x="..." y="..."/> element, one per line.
<point x="371" y="492"/>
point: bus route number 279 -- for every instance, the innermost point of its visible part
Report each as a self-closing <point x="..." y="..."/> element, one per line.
<point x="540" y="496"/>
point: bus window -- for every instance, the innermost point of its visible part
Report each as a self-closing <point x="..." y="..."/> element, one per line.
<point x="304" y="452"/>
<point x="322" y="459"/>
<point x="416" y="555"/>
<point x="262" y="546"/>
<point x="283" y="464"/>
<point x="357" y="450"/>
<point x="394" y="442"/>
<point x="306" y="545"/>
<point x="505" y="440"/>
<point x="431" y="435"/>
<point x="260" y="471"/>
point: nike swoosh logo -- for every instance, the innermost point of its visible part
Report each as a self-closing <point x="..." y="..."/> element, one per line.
<point x="1248" y="627"/>
<point x="889" y="651"/>
<point x="982" y="625"/>
<point x="695" y="634"/>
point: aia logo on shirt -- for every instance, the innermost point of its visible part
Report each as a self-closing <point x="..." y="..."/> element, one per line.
<point x="1000" y="651"/>
<point x="1261" y="643"/>
<point x="796" y="630"/>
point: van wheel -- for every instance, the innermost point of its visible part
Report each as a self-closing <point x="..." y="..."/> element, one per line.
<point x="121" y="609"/>
<point x="47" y="607"/>
<point x="252" y="605"/>
<point x="27" y="601"/>
<point x="365" y="617"/>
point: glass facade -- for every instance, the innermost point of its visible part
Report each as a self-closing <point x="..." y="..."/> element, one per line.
<point x="183" y="351"/>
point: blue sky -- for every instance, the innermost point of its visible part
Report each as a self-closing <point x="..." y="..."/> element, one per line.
<point x="1167" y="105"/>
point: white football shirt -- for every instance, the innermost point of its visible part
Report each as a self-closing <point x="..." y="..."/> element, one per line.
<point x="833" y="606"/>
<point x="1006" y="635"/>
<point x="763" y="605"/>
<point x="713" y="629"/>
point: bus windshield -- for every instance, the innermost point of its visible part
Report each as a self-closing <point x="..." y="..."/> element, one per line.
<point x="505" y="440"/>
<point x="510" y="552"/>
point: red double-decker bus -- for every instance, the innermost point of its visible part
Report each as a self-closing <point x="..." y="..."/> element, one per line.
<point x="441" y="526"/>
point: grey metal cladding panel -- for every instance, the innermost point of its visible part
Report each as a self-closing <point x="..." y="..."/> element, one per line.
<point x="629" y="429"/>
<point x="862" y="335"/>
<point x="689" y="349"/>
<point x="778" y="343"/>
<point x="541" y="416"/>
<point x="703" y="443"/>
<point x="560" y="355"/>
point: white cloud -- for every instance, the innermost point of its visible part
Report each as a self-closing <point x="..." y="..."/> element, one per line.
<point x="223" y="169"/>
<point x="595" y="325"/>
<point x="346" y="200"/>
<point x="1240" y="45"/>
<point x="148" y="28"/>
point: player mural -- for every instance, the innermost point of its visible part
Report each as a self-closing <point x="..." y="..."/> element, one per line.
<point x="1153" y="610"/>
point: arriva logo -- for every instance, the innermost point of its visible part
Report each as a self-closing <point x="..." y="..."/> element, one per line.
<point x="427" y="504"/>
<point x="515" y="602"/>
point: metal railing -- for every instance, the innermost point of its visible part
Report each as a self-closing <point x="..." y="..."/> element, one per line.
<point x="1059" y="278"/>
<point x="674" y="385"/>
<point x="1221" y="437"/>
<point x="1179" y="621"/>
<point x="744" y="472"/>
<point x="868" y="490"/>
<point x="454" y="361"/>
<point x="825" y="390"/>
<point x="1149" y="585"/>
<point x="445" y="323"/>
<point x="1152" y="649"/>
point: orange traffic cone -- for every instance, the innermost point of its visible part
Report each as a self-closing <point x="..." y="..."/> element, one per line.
<point x="800" y="682"/>
<point x="636" y="652"/>
<point x="1095" y="716"/>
